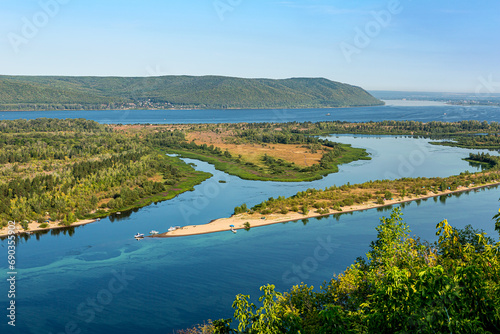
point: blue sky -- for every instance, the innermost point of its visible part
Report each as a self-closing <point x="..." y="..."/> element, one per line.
<point x="417" y="45"/>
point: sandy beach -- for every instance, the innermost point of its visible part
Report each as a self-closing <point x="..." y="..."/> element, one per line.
<point x="34" y="226"/>
<point x="256" y="219"/>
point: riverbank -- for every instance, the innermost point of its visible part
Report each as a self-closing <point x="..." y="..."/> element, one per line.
<point x="34" y="227"/>
<point x="255" y="220"/>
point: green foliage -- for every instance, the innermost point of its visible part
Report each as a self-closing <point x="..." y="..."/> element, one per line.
<point x="206" y="92"/>
<point x="490" y="160"/>
<point x="403" y="286"/>
<point x="64" y="168"/>
<point x="349" y="194"/>
<point x="240" y="209"/>
<point x="274" y="169"/>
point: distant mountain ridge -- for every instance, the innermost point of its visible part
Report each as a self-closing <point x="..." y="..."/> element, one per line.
<point x="203" y="92"/>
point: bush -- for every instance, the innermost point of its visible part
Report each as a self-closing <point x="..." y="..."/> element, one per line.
<point x="388" y="195"/>
<point x="240" y="209"/>
<point x="448" y="287"/>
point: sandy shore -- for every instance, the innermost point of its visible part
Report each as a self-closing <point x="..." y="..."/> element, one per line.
<point x="255" y="220"/>
<point x="34" y="226"/>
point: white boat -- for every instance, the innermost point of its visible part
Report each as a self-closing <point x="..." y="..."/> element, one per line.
<point x="153" y="232"/>
<point x="233" y="230"/>
<point x="139" y="236"/>
<point x="173" y="228"/>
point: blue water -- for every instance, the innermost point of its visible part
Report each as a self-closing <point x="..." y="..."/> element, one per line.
<point x="446" y="113"/>
<point x="67" y="280"/>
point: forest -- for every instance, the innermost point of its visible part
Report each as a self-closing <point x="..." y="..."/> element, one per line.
<point x="67" y="170"/>
<point x="167" y="92"/>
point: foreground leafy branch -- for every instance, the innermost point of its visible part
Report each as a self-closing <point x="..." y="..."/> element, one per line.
<point x="402" y="286"/>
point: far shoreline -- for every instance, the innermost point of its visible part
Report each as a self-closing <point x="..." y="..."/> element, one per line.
<point x="191" y="109"/>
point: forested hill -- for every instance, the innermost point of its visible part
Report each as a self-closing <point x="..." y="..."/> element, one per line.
<point x="205" y="92"/>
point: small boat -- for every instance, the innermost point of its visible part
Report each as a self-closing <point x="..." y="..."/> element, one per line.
<point x="233" y="230"/>
<point x="139" y="236"/>
<point x="328" y="114"/>
<point x="171" y="228"/>
<point x="153" y="232"/>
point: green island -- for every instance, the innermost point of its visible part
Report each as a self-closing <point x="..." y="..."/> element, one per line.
<point x="26" y="93"/>
<point x="379" y="192"/>
<point x="258" y="151"/>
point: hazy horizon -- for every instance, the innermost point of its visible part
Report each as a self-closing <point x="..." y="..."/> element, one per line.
<point x="394" y="45"/>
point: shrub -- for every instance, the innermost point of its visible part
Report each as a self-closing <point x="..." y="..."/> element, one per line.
<point x="247" y="226"/>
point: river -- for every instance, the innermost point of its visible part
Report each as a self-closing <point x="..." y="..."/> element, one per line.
<point x="98" y="279"/>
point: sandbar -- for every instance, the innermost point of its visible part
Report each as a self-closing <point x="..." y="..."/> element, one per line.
<point x="256" y="219"/>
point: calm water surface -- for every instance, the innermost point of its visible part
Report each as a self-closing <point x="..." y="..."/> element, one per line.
<point x="70" y="278"/>
<point x="392" y="111"/>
